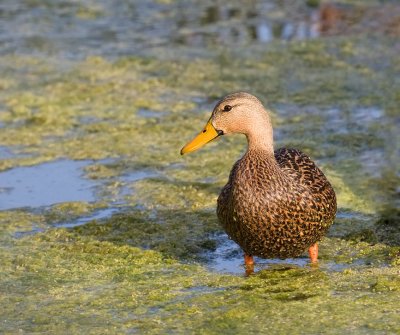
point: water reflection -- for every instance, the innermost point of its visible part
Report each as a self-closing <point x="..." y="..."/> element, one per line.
<point x="265" y="21"/>
<point x="260" y="22"/>
<point x="76" y="29"/>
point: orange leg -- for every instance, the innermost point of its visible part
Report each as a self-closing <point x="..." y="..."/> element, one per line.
<point x="249" y="264"/>
<point x="313" y="252"/>
<point x="248" y="259"/>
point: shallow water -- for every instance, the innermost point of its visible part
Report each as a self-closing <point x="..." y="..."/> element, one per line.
<point x="228" y="258"/>
<point x="106" y="228"/>
<point x="44" y="185"/>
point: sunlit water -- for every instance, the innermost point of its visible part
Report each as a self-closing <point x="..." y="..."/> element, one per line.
<point x="45" y="185"/>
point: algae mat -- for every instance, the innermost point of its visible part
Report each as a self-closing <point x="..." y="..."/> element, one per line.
<point x="129" y="243"/>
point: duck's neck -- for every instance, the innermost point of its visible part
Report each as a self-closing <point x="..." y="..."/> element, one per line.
<point x="261" y="140"/>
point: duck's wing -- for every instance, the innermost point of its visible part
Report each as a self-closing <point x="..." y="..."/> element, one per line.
<point x="298" y="165"/>
<point x="303" y="170"/>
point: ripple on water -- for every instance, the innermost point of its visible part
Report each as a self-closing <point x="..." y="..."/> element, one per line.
<point x="44" y="185"/>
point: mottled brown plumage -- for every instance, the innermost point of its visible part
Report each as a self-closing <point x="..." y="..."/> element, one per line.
<point x="276" y="203"/>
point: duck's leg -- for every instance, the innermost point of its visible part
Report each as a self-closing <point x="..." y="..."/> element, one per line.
<point x="249" y="264"/>
<point x="313" y="252"/>
<point x="248" y="259"/>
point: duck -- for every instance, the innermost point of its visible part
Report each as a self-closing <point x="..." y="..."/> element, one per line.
<point x="276" y="203"/>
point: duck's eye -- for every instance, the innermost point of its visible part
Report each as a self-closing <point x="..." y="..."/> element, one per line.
<point x="227" y="108"/>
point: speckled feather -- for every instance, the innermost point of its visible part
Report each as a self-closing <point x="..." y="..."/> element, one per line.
<point x="276" y="205"/>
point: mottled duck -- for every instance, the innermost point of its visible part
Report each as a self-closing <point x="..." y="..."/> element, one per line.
<point x="276" y="203"/>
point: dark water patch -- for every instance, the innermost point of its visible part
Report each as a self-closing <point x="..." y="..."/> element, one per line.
<point x="45" y="184"/>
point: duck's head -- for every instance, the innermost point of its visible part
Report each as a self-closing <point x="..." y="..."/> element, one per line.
<point x="240" y="113"/>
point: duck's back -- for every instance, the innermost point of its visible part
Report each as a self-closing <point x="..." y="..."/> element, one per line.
<point x="276" y="207"/>
<point x="301" y="168"/>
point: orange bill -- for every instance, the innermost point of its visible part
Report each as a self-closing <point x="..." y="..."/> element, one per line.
<point x="207" y="134"/>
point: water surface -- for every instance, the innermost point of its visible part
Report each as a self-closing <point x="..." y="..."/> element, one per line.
<point x="44" y="185"/>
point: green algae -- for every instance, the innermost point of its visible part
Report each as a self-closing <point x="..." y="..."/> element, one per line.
<point x="181" y="235"/>
<point x="17" y="221"/>
<point x="89" y="284"/>
<point x="98" y="102"/>
<point x="70" y="211"/>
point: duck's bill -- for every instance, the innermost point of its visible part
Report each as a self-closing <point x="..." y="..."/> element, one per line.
<point x="206" y="135"/>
